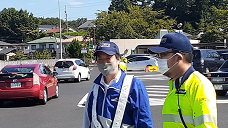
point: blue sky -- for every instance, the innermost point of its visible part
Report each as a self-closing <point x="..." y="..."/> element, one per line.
<point x="50" y="8"/>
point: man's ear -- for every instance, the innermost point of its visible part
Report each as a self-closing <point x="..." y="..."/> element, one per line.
<point x="180" y="56"/>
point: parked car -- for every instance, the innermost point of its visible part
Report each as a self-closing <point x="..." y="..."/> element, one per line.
<point x="206" y="60"/>
<point x="134" y="55"/>
<point x="219" y="79"/>
<point x="71" y="69"/>
<point x="33" y="81"/>
<point x="141" y="62"/>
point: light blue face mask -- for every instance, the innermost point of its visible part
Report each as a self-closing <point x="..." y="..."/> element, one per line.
<point x="163" y="66"/>
<point x="107" y="69"/>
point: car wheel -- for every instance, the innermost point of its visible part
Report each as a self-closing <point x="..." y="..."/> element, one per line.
<point x="44" y="100"/>
<point x="56" y="91"/>
<point x="207" y="70"/>
<point x="1" y="103"/>
<point x="79" y="78"/>
<point x="88" y="76"/>
<point x="221" y="92"/>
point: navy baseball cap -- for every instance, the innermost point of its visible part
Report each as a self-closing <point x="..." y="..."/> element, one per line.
<point x="173" y="41"/>
<point x="107" y="47"/>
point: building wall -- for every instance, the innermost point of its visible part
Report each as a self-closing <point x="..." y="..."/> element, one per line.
<point x="133" y="43"/>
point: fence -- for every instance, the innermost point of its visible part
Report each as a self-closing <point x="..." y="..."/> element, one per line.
<point x="50" y="62"/>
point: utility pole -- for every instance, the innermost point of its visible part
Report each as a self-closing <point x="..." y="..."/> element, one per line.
<point x="66" y="19"/>
<point x="60" y="34"/>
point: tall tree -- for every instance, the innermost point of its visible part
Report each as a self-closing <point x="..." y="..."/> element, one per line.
<point x="16" y="26"/>
<point x="141" y="23"/>
<point x="122" y="5"/>
<point x="215" y="27"/>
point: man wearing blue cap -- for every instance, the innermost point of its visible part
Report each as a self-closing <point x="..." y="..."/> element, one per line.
<point x="116" y="100"/>
<point x="191" y="101"/>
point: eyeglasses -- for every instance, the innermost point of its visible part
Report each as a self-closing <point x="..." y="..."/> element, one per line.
<point x="161" y="55"/>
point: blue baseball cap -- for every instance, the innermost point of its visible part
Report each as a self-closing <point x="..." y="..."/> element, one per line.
<point x="107" y="47"/>
<point x="173" y="41"/>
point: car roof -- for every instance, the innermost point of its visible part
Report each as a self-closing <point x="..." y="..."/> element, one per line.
<point x="72" y="59"/>
<point x="21" y="65"/>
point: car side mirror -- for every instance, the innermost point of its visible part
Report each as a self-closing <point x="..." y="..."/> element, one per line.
<point x="54" y="73"/>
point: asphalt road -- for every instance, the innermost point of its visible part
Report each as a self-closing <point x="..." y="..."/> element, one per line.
<point x="64" y="112"/>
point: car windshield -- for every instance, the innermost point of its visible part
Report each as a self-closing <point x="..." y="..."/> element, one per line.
<point x="64" y="64"/>
<point x="18" y="69"/>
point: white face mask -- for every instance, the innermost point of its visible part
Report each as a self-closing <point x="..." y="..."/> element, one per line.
<point x="163" y="66"/>
<point x="107" y="69"/>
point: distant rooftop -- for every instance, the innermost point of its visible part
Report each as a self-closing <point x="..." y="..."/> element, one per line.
<point x="87" y="24"/>
<point x="45" y="40"/>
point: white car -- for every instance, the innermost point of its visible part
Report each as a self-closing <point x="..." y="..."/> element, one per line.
<point x="71" y="69"/>
<point x="141" y="62"/>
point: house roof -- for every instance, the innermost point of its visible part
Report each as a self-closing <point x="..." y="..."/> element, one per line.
<point x="56" y="30"/>
<point x="87" y="24"/>
<point x="45" y="40"/>
<point x="7" y="50"/>
<point x="47" y="26"/>
<point x="5" y="44"/>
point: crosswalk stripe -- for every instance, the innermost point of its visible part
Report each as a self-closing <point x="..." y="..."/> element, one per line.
<point x="157" y="88"/>
<point x="156" y="92"/>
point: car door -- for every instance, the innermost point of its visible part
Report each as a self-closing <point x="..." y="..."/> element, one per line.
<point x="50" y="81"/>
<point x="132" y="64"/>
<point x="83" y="68"/>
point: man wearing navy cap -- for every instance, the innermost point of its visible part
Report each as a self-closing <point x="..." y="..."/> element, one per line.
<point x="191" y="101"/>
<point x="116" y="100"/>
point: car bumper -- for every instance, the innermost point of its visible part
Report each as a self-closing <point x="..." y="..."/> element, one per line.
<point x="33" y="92"/>
<point x="66" y="76"/>
<point x="221" y="86"/>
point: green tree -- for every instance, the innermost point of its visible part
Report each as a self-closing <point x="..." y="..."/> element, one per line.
<point x="215" y="27"/>
<point x="73" y="50"/>
<point x="16" y="26"/>
<point x="122" y="5"/>
<point x="141" y="23"/>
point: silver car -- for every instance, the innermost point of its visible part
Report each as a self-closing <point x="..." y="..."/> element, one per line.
<point x="141" y="62"/>
<point x="71" y="69"/>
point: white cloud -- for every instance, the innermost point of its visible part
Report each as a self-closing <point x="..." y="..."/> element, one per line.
<point x="76" y="3"/>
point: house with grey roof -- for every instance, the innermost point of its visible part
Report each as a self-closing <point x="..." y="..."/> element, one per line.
<point x="87" y="24"/>
<point x="45" y="28"/>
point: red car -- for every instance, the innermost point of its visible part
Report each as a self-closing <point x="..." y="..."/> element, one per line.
<point x="32" y="81"/>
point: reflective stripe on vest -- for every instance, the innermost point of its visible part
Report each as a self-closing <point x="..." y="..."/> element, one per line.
<point x="94" y="108"/>
<point x="120" y="106"/>
<point x="122" y="101"/>
<point x="189" y="119"/>
<point x="205" y="119"/>
<point x="176" y="118"/>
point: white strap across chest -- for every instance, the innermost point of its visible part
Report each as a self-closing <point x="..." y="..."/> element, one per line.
<point x="120" y="106"/>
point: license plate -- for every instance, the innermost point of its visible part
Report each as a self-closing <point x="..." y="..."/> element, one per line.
<point x="15" y="85"/>
<point x="218" y="87"/>
<point x="217" y="79"/>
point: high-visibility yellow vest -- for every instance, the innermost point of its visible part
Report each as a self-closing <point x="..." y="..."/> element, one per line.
<point x="123" y="66"/>
<point x="198" y="105"/>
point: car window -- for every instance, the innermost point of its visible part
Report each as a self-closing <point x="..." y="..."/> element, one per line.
<point x="41" y="69"/>
<point x="47" y="70"/>
<point x="18" y="69"/>
<point x="142" y="58"/>
<point x="215" y="54"/>
<point x="196" y="54"/>
<point x="77" y="62"/>
<point x="64" y="64"/>
<point x="132" y="59"/>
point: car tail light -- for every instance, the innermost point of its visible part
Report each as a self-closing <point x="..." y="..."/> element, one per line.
<point x="54" y="69"/>
<point x="74" y="68"/>
<point x="36" y="79"/>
